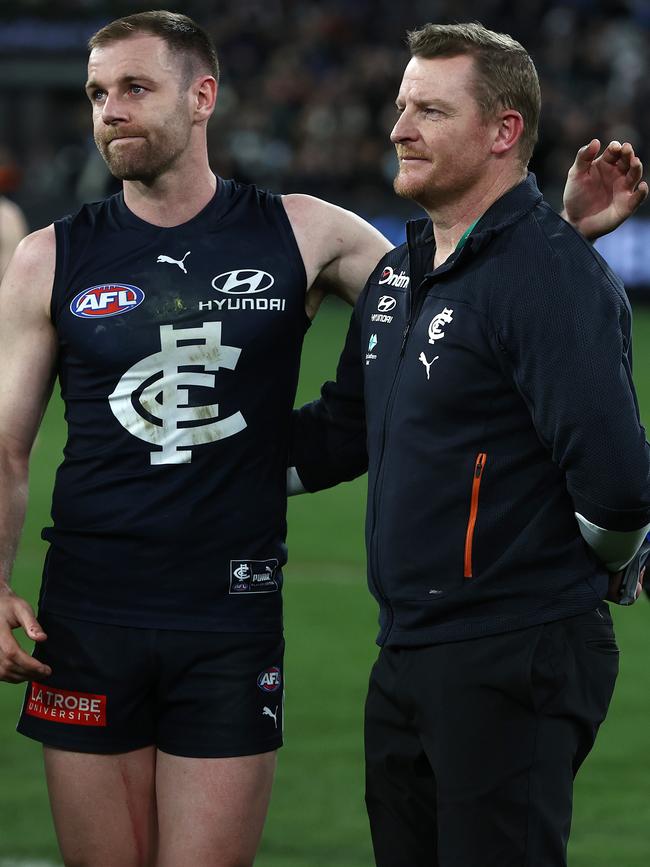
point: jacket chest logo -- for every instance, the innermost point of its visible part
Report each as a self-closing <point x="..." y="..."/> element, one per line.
<point x="437" y="323"/>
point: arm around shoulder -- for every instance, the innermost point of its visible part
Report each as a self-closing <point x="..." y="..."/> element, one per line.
<point x="328" y="436"/>
<point x="338" y="248"/>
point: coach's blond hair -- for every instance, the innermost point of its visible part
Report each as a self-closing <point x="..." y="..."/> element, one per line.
<point x="505" y="73"/>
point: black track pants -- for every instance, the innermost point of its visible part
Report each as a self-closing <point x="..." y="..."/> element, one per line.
<point x="472" y="746"/>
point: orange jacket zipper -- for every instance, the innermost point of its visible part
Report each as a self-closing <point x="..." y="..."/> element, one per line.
<point x="481" y="460"/>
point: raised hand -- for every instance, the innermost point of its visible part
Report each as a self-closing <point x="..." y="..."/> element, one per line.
<point x="602" y="191"/>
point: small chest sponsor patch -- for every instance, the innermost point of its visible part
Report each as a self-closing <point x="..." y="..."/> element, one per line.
<point x="62" y="706"/>
<point x="253" y="576"/>
<point x="109" y="299"/>
<point x="270" y="680"/>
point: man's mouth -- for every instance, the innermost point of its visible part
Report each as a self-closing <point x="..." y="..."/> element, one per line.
<point x="124" y="138"/>
<point x="411" y="158"/>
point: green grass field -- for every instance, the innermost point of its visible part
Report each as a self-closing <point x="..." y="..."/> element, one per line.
<point x="317" y="817"/>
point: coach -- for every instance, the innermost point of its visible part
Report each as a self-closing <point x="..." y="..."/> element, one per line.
<point x="508" y="475"/>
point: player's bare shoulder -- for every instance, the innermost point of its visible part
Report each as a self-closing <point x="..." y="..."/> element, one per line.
<point x="30" y="273"/>
<point x="338" y="248"/>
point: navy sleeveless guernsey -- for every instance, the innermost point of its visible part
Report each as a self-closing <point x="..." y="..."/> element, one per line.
<point x="178" y="362"/>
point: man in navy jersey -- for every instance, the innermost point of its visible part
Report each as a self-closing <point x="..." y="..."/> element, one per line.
<point x="508" y="475"/>
<point x="173" y="316"/>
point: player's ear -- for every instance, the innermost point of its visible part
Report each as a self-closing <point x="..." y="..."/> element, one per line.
<point x="204" y="96"/>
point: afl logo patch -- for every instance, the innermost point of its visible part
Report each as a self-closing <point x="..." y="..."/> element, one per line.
<point x="270" y="680"/>
<point x="246" y="281"/>
<point x="109" y="299"/>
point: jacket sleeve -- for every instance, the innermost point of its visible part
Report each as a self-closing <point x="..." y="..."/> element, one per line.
<point x="328" y="436"/>
<point x="566" y="333"/>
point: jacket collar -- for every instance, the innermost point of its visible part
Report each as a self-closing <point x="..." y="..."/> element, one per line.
<point x="508" y="209"/>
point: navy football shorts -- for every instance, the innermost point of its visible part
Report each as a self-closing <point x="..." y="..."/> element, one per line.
<point x="115" y="688"/>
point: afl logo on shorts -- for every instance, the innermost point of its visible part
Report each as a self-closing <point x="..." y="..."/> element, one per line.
<point x="110" y="299"/>
<point x="270" y="680"/>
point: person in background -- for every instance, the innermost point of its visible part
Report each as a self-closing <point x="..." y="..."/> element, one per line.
<point x="13" y="228"/>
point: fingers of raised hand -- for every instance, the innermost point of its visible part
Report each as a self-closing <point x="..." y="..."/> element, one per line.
<point x="634" y="172"/>
<point x="586" y="155"/>
<point x="615" y="152"/>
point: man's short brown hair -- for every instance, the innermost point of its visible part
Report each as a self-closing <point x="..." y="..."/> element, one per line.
<point x="505" y="74"/>
<point x="182" y="36"/>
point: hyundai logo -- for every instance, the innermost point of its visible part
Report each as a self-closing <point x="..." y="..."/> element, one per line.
<point x="246" y="281"/>
<point x="386" y="303"/>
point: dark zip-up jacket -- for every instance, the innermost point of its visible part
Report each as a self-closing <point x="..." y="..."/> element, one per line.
<point x="498" y="402"/>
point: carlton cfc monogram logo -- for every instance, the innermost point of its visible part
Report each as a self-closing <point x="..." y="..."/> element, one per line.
<point x="437" y="323"/>
<point x="151" y="400"/>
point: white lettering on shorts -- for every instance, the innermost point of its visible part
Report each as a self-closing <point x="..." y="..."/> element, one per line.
<point x="63" y="706"/>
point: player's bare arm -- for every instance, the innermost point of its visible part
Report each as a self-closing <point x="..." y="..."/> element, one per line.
<point x="338" y="248"/>
<point x="602" y="191"/>
<point x="27" y="356"/>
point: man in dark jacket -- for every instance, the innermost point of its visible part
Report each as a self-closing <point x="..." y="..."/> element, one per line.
<point x="488" y="360"/>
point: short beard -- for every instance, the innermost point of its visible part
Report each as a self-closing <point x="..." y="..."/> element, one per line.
<point x="143" y="166"/>
<point x="429" y="196"/>
<point x="405" y="189"/>
<point x="152" y="156"/>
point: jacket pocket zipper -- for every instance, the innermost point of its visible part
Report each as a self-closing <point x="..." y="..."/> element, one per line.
<point x="479" y="466"/>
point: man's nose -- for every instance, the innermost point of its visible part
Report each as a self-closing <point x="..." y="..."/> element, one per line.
<point x="404" y="129"/>
<point x="113" y="109"/>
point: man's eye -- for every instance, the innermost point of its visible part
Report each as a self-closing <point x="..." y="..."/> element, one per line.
<point x="136" y="89"/>
<point x="97" y="95"/>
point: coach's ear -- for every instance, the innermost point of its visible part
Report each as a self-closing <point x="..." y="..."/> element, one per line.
<point x="509" y="128"/>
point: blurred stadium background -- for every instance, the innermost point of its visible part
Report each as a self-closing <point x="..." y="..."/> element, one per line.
<point x="306" y="105"/>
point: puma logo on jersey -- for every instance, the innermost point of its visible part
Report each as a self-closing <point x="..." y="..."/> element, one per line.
<point x="155" y="399"/>
<point x="179" y="262"/>
<point x="426" y="363"/>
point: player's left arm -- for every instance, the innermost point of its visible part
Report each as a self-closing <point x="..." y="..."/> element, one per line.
<point x="338" y="248"/>
<point x="603" y="190"/>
